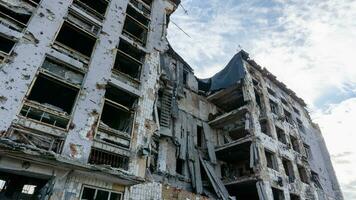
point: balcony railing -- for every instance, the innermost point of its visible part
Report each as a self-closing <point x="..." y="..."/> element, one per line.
<point x="100" y="157"/>
<point x="36" y="139"/>
<point x="44" y="114"/>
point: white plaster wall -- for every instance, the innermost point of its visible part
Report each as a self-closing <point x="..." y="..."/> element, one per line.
<point x="16" y="76"/>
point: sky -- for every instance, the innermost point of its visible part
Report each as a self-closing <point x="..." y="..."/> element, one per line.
<point x="310" y="45"/>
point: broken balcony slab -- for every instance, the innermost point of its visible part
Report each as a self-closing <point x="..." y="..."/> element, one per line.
<point x="36" y="139"/>
<point x="241" y="180"/>
<point x="113" y="137"/>
<point x="32" y="154"/>
<point x="36" y="126"/>
<point x="228" y="118"/>
<point x="234" y="150"/>
<point x="228" y="99"/>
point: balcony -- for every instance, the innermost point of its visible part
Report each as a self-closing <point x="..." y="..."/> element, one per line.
<point x="102" y="157"/>
<point x="112" y="136"/>
<point x="229" y="117"/>
<point x="36" y="139"/>
<point x="228" y="99"/>
<point x="43" y="102"/>
<point x="45" y="114"/>
<point x="236" y="150"/>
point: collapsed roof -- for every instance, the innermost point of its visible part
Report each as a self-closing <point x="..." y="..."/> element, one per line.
<point x="235" y="71"/>
<point x="230" y="75"/>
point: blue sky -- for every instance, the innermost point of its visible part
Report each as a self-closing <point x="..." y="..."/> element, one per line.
<point x="308" y="44"/>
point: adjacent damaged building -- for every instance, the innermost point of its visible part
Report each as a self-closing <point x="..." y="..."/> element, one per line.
<point x="95" y="104"/>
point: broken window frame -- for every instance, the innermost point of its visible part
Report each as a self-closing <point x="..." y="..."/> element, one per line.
<point x="121" y="108"/>
<point x="303" y="174"/>
<point x="64" y="65"/>
<point x="68" y="50"/>
<point x="300" y="125"/>
<point x="140" y="63"/>
<point x="4" y="54"/>
<point x="280" y="193"/>
<point x="316" y="180"/>
<point x="274" y="160"/>
<point x="288" y="116"/>
<point x="16" y="185"/>
<point x="294" y="196"/>
<point x="294" y="143"/>
<point x="255" y="81"/>
<point x="288" y="169"/>
<point x="259" y="101"/>
<point x="271" y="92"/>
<point x="274" y="107"/>
<point x="101" y="189"/>
<point x="281" y="135"/>
<point x="14" y="22"/>
<point x="55" y="142"/>
<point x="45" y="109"/>
<point x="296" y="110"/>
<point x="92" y="12"/>
<point x="266" y="125"/>
<point x="284" y="101"/>
<point x="113" y="131"/>
<point x="145" y="9"/>
<point x="74" y="14"/>
<point x="141" y="41"/>
<point x="180" y="166"/>
<point x="308" y="152"/>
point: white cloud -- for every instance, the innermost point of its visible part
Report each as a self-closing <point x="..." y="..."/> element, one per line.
<point x="307" y="44"/>
<point x="337" y="124"/>
<point x="316" y="48"/>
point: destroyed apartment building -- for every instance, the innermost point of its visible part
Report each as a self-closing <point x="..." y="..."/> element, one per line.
<point x="96" y="105"/>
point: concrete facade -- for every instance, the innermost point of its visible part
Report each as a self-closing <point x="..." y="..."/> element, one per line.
<point x="95" y="104"/>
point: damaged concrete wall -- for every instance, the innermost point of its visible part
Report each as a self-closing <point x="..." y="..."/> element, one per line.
<point x="27" y="56"/>
<point x="157" y="43"/>
<point x="184" y="142"/>
<point x="87" y="112"/>
<point x="36" y="41"/>
<point x="305" y="134"/>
